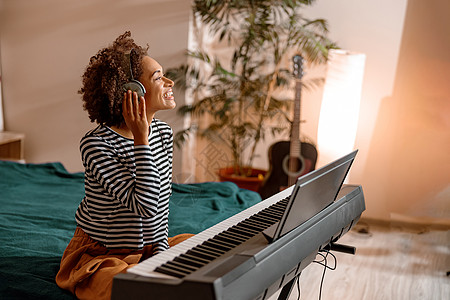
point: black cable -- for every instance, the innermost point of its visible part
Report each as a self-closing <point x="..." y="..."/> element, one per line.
<point x="319" y="261"/>
<point x="325" y="259"/>
<point x="324" y="263"/>
<point x="323" y="273"/>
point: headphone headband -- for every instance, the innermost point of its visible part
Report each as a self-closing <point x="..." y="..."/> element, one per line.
<point x="129" y="62"/>
<point x="133" y="84"/>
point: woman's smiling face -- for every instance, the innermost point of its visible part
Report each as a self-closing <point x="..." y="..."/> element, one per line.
<point x="159" y="94"/>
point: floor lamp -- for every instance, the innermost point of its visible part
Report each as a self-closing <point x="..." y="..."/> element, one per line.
<point x="339" y="112"/>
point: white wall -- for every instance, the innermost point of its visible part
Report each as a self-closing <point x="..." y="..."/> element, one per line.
<point x="45" y="46"/>
<point x="375" y="29"/>
<point x="370" y="27"/>
<point x="407" y="172"/>
<point x="403" y="163"/>
<point x="403" y="131"/>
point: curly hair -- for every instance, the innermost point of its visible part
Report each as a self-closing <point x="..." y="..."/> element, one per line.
<point x="107" y="71"/>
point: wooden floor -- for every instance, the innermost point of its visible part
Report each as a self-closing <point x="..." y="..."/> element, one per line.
<point x="391" y="262"/>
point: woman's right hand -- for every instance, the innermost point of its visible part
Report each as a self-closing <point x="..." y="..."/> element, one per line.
<point x="134" y="114"/>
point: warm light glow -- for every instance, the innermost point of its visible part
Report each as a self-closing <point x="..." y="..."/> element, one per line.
<point x="340" y="105"/>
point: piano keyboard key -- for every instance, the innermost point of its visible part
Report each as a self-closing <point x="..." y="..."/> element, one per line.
<point x="191" y="260"/>
<point x="217" y="243"/>
<point x="201" y="254"/>
<point x="170" y="271"/>
<point x="271" y="209"/>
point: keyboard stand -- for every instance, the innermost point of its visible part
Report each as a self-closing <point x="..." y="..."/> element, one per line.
<point x="287" y="288"/>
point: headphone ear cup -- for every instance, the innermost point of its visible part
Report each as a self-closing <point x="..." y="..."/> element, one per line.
<point x="135" y="86"/>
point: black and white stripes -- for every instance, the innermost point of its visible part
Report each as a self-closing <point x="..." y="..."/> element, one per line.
<point x="127" y="188"/>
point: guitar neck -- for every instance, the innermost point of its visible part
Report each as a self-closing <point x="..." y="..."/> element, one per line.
<point x="295" y="129"/>
<point x="295" y="146"/>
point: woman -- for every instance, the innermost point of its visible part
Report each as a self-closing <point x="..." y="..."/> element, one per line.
<point x="123" y="217"/>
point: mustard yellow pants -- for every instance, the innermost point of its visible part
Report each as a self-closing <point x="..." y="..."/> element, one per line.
<point x="87" y="268"/>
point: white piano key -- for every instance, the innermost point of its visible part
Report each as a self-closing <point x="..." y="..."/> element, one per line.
<point x="147" y="267"/>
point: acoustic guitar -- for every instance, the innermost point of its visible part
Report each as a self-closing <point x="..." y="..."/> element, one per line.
<point x="289" y="160"/>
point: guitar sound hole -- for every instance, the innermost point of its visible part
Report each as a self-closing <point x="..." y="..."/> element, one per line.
<point x="294" y="164"/>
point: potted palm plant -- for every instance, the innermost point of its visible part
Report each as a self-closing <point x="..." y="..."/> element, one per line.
<point x="237" y="93"/>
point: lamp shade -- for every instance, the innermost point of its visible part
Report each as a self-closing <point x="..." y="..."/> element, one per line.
<point x="339" y="111"/>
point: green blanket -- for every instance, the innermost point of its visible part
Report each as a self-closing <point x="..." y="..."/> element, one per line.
<point x="38" y="203"/>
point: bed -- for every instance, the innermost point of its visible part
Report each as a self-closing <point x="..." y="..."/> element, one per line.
<point x="38" y="203"/>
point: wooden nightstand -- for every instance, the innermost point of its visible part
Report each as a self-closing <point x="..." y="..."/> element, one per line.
<point x="12" y="146"/>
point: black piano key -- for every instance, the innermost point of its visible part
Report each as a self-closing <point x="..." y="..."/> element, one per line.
<point x="172" y="266"/>
<point x="191" y="260"/>
<point x="227" y="240"/>
<point x="270" y="217"/>
<point x="235" y="235"/>
<point x="217" y="245"/>
<point x="236" y="232"/>
<point x="248" y="225"/>
<point x="180" y="266"/>
<point x="201" y="254"/>
<point x="255" y="220"/>
<point x="274" y="211"/>
<point x="275" y="214"/>
<point x="240" y="231"/>
<point x="230" y="239"/>
<point x="210" y="250"/>
<point x="277" y="208"/>
<point x="262" y="224"/>
<point x="265" y="218"/>
<point x="169" y="271"/>
<point x="245" y="230"/>
<point x="281" y="203"/>
<point x="284" y="201"/>
<point x="197" y="261"/>
<point x="253" y="224"/>
<point x="223" y="242"/>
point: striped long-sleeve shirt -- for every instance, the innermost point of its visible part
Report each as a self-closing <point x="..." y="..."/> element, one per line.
<point x="127" y="188"/>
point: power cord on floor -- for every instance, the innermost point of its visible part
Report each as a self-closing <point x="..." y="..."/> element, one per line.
<point x="324" y="263"/>
<point x="298" y="288"/>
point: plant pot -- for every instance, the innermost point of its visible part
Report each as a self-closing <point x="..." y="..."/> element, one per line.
<point x="252" y="182"/>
